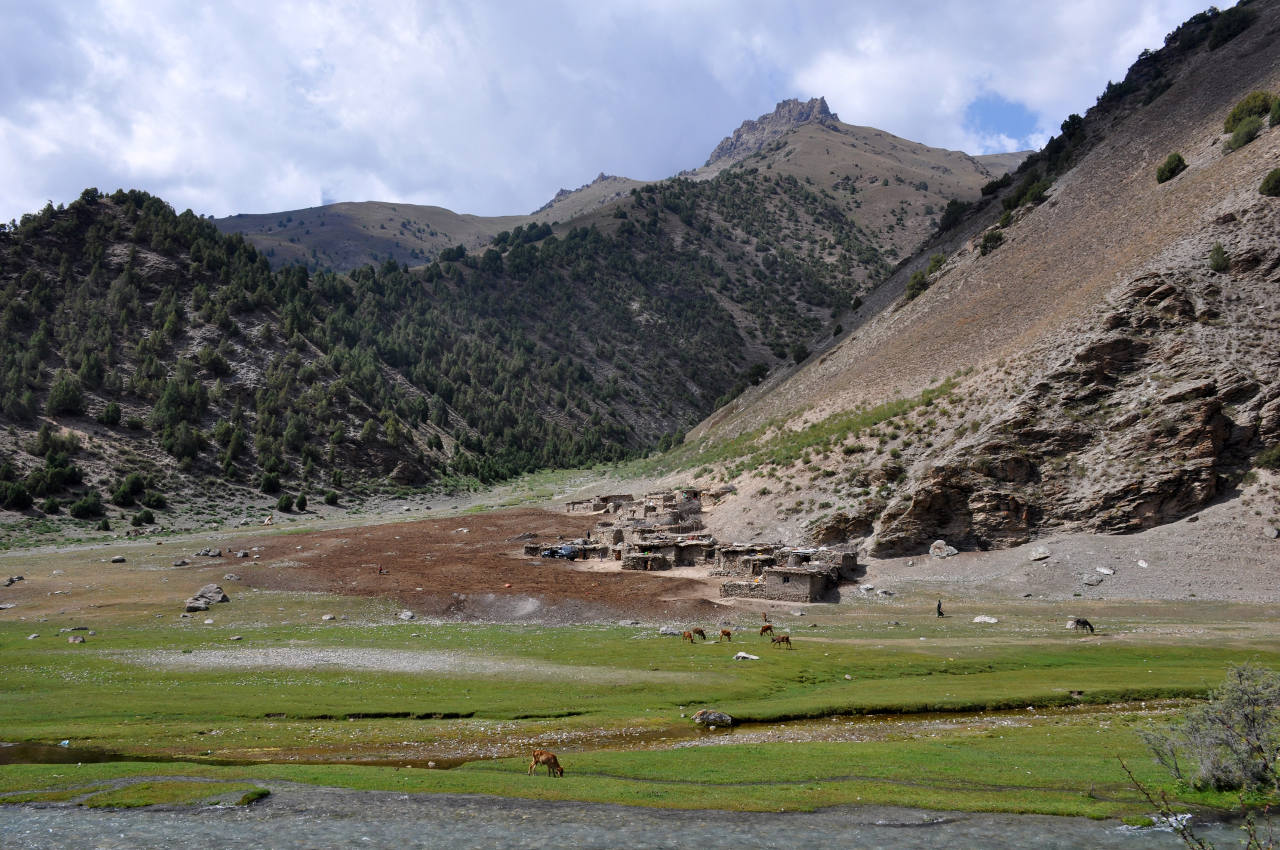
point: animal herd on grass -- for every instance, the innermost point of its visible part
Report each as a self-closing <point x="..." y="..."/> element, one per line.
<point x="727" y="634"/>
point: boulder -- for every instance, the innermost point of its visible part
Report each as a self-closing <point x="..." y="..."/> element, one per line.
<point x="710" y="717"/>
<point x="75" y="638"/>
<point x="405" y="615"/>
<point x="1271" y="531"/>
<point x="210" y="594"/>
<point x="1040" y="553"/>
<point x="231" y="577"/>
<point x="1093" y="581"/>
<point x="118" y="559"/>
<point x="983" y="618"/>
<point x="181" y="562"/>
<point x="669" y="630"/>
<point x="746" y="656"/>
<point x="1106" y="571"/>
<point x="940" y="549"/>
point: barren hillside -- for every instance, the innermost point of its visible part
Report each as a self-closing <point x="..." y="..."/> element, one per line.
<point x="1102" y="376"/>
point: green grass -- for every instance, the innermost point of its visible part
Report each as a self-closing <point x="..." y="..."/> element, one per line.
<point x="775" y="444"/>
<point x="601" y="689"/>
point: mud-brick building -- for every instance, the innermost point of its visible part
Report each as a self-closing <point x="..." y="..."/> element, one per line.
<point x="786" y="584"/>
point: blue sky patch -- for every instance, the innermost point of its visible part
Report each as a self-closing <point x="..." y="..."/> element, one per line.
<point x="991" y="114"/>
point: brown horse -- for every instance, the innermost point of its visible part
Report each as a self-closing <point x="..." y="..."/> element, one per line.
<point x="779" y="640"/>
<point x="766" y="629"/>
<point x="549" y="759"/>
<point x="700" y="633"/>
<point x="726" y="634"/>
<point x="687" y="636"/>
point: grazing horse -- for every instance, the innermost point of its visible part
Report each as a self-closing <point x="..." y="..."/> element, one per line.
<point x="687" y="636"/>
<point x="766" y="629"/>
<point x="1081" y="623"/>
<point x="779" y="640"/>
<point x="700" y="633"/>
<point x="549" y="759"/>
<point x="726" y="634"/>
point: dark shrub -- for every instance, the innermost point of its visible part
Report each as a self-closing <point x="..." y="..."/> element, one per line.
<point x="152" y="499"/>
<point x="1218" y="258"/>
<point x="270" y="483"/>
<point x="1230" y="24"/>
<point x="87" y="507"/>
<point x="1268" y="458"/>
<point x="301" y="504"/>
<point x="51" y="505"/>
<point x="110" y="415"/>
<point x="285" y="503"/>
<point x="142" y="517"/>
<point x="918" y="284"/>
<point x="1246" y="131"/>
<point x="331" y="497"/>
<point x="1171" y="168"/>
<point x="15" y="496"/>
<point x="991" y="240"/>
<point x="65" y="395"/>
<point x="1271" y="183"/>
<point x="1255" y="103"/>
<point x="952" y="214"/>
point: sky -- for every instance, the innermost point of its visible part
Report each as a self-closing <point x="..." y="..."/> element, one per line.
<point x="491" y="106"/>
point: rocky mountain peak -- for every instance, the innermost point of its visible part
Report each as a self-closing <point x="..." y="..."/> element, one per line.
<point x="754" y="135"/>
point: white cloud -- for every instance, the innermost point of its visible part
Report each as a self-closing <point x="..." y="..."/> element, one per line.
<point x="489" y="107"/>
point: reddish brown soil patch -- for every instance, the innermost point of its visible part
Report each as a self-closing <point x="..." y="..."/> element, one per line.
<point x="464" y="574"/>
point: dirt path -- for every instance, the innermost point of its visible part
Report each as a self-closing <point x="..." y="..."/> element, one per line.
<point x="471" y="567"/>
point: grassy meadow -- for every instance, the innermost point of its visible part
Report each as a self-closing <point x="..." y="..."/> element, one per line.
<point x="880" y="703"/>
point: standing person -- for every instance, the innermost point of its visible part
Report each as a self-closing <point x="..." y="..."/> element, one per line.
<point x="940" y="614"/>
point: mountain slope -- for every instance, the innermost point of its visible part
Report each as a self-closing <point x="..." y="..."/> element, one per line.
<point x="1085" y="345"/>
<point x="803" y="140"/>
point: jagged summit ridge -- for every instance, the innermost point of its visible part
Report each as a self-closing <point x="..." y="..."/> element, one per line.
<point x="754" y="135"/>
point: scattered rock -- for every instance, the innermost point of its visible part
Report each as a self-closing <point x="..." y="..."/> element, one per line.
<point x="118" y="559"/>
<point x="208" y="595"/>
<point x="75" y="638"/>
<point x="866" y="588"/>
<point x="242" y="554"/>
<point x="848" y="678"/>
<point x="983" y="618"/>
<point x="235" y="637"/>
<point x="405" y="615"/>
<point x="5" y="606"/>
<point x="1040" y="553"/>
<point x="33" y="637"/>
<point x="1143" y="564"/>
<point x="12" y="580"/>
<point x="1093" y="581"/>
<point x="181" y="562"/>
<point x="669" y="630"/>
<point x="710" y="717"/>
<point x="327" y="617"/>
<point x="884" y="591"/>
<point x="628" y="622"/>
<point x="231" y="577"/>
<point x="940" y="549"/>
<point x="1106" y="571"/>
<point x="208" y="621"/>
<point x="1271" y="531"/>
<point x="746" y="656"/>
<point x="1193" y="518"/>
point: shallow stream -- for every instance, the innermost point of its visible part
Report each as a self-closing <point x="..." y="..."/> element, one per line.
<point x="297" y="817"/>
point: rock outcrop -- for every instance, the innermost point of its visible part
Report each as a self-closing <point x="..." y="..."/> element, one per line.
<point x="752" y="136"/>
<point x="1138" y="422"/>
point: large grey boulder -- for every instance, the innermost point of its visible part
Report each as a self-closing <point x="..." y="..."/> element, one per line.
<point x="709" y="717"/>
<point x="940" y="549"/>
<point x="208" y="595"/>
